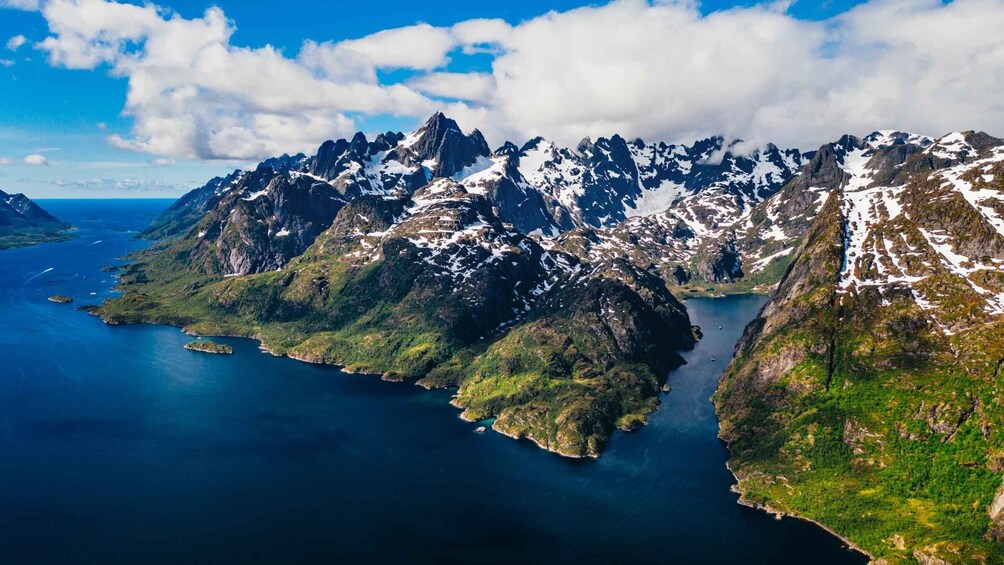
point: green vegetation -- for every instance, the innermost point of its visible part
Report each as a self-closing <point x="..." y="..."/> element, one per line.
<point x="207" y="346"/>
<point x="857" y="412"/>
<point x="60" y="299"/>
<point x="565" y="376"/>
<point x="25" y="236"/>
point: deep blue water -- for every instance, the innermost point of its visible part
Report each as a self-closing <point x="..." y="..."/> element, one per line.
<point x="119" y="446"/>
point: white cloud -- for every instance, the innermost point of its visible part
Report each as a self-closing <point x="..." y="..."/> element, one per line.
<point x="36" y="160"/>
<point x="480" y="34"/>
<point x="462" y="86"/>
<point x="664" y="71"/>
<point x="414" y="47"/>
<point x="6" y="63"/>
<point x="28" y="5"/>
<point x="193" y="94"/>
<point x="162" y="162"/>
<point x="16" y="42"/>
<point x="654" y="69"/>
<point x="118" y="185"/>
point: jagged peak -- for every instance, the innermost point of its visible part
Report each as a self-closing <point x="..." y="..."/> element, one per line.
<point x="885" y="138"/>
<point x="387" y="140"/>
<point x="956" y="145"/>
<point x="480" y="142"/>
<point x="439" y="121"/>
<point x="534" y="143"/>
<point x="508" y="148"/>
<point x="704" y="148"/>
<point x="358" y="140"/>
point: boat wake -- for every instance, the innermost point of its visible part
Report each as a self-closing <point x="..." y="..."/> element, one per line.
<point x="36" y="275"/>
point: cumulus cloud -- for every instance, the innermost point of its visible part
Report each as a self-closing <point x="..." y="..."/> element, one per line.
<point x="14" y="43"/>
<point x="36" y="160"/>
<point x="655" y="69"/>
<point x="6" y="63"/>
<point x="664" y="71"/>
<point x="193" y="94"/>
<point x="462" y="86"/>
<point x="414" y="47"/>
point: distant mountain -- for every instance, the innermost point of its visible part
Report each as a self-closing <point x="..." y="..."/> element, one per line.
<point x="868" y="395"/>
<point x="22" y="222"/>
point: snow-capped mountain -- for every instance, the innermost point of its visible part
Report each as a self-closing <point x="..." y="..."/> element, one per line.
<point x="933" y="228"/>
<point x="16" y="208"/>
<point x="602" y="183"/>
<point x="879" y="354"/>
<point x="721" y="234"/>
<point x="705" y="212"/>
<point x="278" y="209"/>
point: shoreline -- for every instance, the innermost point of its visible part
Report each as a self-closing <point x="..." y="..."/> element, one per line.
<point x="779" y="514"/>
<point x="342" y="368"/>
<point x="736" y="488"/>
<point x="538" y="444"/>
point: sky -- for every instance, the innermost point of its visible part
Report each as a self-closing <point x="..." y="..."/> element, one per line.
<point x="100" y="98"/>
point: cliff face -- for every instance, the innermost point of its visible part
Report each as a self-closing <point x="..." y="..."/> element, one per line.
<point x="867" y="394"/>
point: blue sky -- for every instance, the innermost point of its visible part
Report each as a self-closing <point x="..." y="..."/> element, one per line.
<point x="67" y="115"/>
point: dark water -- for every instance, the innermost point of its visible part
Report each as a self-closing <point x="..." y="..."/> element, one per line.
<point x="119" y="446"/>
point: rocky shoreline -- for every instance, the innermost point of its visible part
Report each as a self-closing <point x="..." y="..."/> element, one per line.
<point x="344" y="369"/>
<point x="779" y="514"/>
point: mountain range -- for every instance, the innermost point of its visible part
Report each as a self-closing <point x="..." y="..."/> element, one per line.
<point x="543" y="282"/>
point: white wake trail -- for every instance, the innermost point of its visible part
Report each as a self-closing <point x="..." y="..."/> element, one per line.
<point x="38" y="275"/>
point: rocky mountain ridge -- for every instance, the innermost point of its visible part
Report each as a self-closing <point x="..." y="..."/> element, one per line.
<point x="540" y="189"/>
<point x="870" y="383"/>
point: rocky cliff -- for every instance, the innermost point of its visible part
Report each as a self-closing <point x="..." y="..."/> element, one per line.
<point x="867" y="393"/>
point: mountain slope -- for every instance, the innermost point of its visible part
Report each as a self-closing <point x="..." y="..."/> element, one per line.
<point x="427" y="256"/>
<point x="433" y="287"/>
<point x="867" y="393"/>
<point x="738" y="233"/>
<point x="22" y="222"/>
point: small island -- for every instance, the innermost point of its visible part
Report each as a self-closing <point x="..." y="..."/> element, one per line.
<point x="209" y="347"/>
<point x="60" y="299"/>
